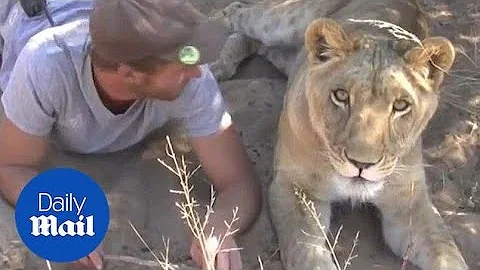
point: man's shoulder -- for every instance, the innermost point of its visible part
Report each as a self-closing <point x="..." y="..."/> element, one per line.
<point x="198" y="93"/>
<point x="197" y="89"/>
<point x="206" y="82"/>
<point x="55" y="56"/>
<point x="202" y="107"/>
<point x="50" y="62"/>
<point x="61" y="42"/>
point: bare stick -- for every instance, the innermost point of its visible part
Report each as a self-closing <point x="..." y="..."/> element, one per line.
<point x="141" y="262"/>
<point x="49" y="265"/>
<point x="348" y="261"/>
<point x="331" y="247"/>
<point x="209" y="244"/>
<point x="164" y="265"/>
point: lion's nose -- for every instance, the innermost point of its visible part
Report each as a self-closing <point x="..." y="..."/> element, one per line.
<point x="360" y="165"/>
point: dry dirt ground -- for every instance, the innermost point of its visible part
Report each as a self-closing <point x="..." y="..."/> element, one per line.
<point x="138" y="186"/>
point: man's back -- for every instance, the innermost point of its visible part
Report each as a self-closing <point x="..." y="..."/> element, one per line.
<point x="17" y="28"/>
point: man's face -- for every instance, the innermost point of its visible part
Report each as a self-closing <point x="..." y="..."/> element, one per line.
<point x="166" y="82"/>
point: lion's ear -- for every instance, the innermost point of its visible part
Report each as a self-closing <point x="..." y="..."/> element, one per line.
<point x="325" y="38"/>
<point x="434" y="58"/>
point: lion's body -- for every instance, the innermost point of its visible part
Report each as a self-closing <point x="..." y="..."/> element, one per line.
<point x="358" y="99"/>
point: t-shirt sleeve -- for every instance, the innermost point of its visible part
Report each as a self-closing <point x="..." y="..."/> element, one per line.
<point x="26" y="103"/>
<point x="204" y="111"/>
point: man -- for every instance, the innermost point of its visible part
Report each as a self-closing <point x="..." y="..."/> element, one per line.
<point x="100" y="77"/>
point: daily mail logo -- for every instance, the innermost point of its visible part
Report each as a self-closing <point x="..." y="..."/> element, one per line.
<point x="49" y="225"/>
<point x="62" y="215"/>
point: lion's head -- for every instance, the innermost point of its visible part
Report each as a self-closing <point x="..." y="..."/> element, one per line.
<point x="369" y="99"/>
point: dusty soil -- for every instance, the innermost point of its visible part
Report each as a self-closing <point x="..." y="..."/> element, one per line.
<point x="138" y="186"/>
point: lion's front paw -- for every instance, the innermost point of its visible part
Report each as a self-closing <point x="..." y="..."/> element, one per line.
<point x="450" y="262"/>
<point x="306" y="257"/>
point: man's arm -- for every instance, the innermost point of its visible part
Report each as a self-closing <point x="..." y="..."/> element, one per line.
<point x="21" y="156"/>
<point x="226" y="163"/>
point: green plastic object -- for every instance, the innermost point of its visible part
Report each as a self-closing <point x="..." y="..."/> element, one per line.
<point x="189" y="55"/>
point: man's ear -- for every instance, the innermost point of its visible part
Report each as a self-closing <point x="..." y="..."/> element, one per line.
<point x="434" y="58"/>
<point x="129" y="74"/>
<point x="325" y="38"/>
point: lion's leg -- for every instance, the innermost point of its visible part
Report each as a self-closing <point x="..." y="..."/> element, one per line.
<point x="275" y="24"/>
<point x="417" y="229"/>
<point x="237" y="48"/>
<point x="282" y="58"/>
<point x="298" y="250"/>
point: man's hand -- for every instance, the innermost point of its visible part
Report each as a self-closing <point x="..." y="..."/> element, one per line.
<point x="94" y="261"/>
<point x="226" y="163"/>
<point x="227" y="259"/>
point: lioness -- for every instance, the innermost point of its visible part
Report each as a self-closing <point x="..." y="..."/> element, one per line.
<point x="362" y="85"/>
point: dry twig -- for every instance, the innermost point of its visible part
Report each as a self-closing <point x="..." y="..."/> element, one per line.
<point x="331" y="247"/>
<point x="210" y="244"/>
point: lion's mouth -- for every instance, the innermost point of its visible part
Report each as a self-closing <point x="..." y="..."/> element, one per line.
<point x="358" y="172"/>
<point x="358" y="179"/>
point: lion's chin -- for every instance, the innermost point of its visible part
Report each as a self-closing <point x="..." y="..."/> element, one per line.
<point x="356" y="188"/>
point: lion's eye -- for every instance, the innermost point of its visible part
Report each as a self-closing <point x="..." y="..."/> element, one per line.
<point x="401" y="105"/>
<point x="339" y="97"/>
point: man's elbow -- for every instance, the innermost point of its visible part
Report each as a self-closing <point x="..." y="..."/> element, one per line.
<point x="257" y="192"/>
<point x="13" y="179"/>
<point x="255" y="196"/>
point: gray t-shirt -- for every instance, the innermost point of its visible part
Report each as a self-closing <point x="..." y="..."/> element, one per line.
<point x="50" y="90"/>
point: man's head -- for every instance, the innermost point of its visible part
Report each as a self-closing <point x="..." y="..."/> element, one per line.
<point x="141" y="41"/>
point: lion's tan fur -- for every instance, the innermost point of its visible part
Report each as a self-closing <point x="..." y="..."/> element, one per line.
<point x="325" y="144"/>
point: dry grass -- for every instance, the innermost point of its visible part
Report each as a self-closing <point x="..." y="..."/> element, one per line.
<point x="210" y="243"/>
<point x="164" y="263"/>
<point x="461" y="92"/>
<point x="310" y="206"/>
